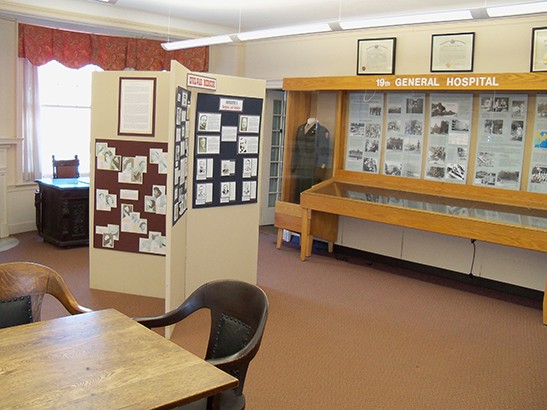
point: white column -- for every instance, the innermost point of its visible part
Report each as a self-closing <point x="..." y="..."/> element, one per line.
<point x="3" y="191"/>
<point x="5" y="145"/>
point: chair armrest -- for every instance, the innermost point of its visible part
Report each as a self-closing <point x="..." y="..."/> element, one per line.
<point x="156" y="321"/>
<point x="169" y="318"/>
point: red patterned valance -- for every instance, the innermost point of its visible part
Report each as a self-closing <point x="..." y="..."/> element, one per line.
<point x="75" y="50"/>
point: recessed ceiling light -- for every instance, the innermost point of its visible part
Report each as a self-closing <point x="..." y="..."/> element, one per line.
<point x="284" y="31"/>
<point x="517" y="9"/>
<point x="197" y="42"/>
<point x="407" y="19"/>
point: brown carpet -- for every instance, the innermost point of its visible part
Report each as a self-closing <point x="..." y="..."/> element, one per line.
<point x="349" y="336"/>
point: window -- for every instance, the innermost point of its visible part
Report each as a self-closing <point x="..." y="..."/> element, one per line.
<point x="276" y="158"/>
<point x="65" y="114"/>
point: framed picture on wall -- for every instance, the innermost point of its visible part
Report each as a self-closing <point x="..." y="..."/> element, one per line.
<point x="452" y="52"/>
<point x="539" y="49"/>
<point x="137" y="106"/>
<point x="376" y="56"/>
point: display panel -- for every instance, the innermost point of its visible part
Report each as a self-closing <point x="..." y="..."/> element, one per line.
<point x="227" y="149"/>
<point x="404" y="135"/>
<point x="365" y="126"/>
<point x="130" y="196"/>
<point x="537" y="181"/>
<point x="500" y="140"/>
<point x="449" y="137"/>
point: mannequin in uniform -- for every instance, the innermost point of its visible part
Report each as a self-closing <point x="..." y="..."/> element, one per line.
<point x="311" y="157"/>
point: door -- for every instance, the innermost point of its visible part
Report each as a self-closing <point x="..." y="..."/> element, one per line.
<point x="274" y="138"/>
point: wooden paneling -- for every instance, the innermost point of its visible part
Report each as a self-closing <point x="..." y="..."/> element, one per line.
<point x="423" y="82"/>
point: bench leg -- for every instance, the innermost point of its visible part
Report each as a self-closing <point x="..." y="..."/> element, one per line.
<point x="279" y="238"/>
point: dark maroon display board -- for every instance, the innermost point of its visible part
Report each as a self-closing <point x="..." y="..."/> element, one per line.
<point x="130" y="196"/>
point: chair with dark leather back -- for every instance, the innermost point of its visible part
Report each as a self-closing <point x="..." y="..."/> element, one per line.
<point x="66" y="168"/>
<point x="22" y="289"/>
<point x="238" y="317"/>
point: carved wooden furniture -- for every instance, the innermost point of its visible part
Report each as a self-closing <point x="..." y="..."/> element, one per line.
<point x="62" y="211"/>
<point x="66" y="168"/>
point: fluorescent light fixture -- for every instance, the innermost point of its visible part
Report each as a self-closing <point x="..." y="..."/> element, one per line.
<point x="197" y="42"/>
<point x="284" y="31"/>
<point x="517" y="9"/>
<point x="411" y="19"/>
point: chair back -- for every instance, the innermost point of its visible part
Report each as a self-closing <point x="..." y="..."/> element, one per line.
<point x="22" y="289"/>
<point x="238" y="317"/>
<point x="66" y="168"/>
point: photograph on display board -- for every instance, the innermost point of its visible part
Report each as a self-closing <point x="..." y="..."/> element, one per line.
<point x="209" y="122"/>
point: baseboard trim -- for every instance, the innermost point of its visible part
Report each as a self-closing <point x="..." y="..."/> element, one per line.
<point x="358" y="256"/>
<point x="22" y="227"/>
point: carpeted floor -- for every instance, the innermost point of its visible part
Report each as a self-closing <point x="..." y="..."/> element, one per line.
<point x="350" y="336"/>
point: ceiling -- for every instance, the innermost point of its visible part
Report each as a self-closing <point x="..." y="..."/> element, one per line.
<point x="177" y="19"/>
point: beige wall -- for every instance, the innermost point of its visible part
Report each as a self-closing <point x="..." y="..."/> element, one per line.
<point x="501" y="45"/>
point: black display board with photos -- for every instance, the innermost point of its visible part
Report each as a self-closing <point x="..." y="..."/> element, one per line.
<point x="180" y="152"/>
<point x="226" y="150"/>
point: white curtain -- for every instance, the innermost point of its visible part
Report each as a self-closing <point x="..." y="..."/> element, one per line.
<point x="30" y="120"/>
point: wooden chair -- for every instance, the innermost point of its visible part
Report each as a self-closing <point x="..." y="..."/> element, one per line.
<point x="66" y="168"/>
<point x="22" y="289"/>
<point x="238" y="316"/>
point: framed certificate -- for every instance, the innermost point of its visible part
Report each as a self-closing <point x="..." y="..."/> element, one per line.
<point x="376" y="56"/>
<point x="452" y="52"/>
<point x="539" y="49"/>
<point x="137" y="106"/>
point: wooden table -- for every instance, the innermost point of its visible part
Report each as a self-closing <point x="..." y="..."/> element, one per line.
<point x="100" y="360"/>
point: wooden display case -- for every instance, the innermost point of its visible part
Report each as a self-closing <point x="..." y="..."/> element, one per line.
<point x="508" y="217"/>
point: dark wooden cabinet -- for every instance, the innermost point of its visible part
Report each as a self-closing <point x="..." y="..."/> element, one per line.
<point x="62" y="211"/>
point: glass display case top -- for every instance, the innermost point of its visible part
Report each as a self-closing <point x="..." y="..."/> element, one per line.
<point x="532" y="218"/>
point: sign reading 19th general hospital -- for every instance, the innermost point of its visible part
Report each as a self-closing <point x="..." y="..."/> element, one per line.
<point x="433" y="82"/>
<point x="425" y="82"/>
